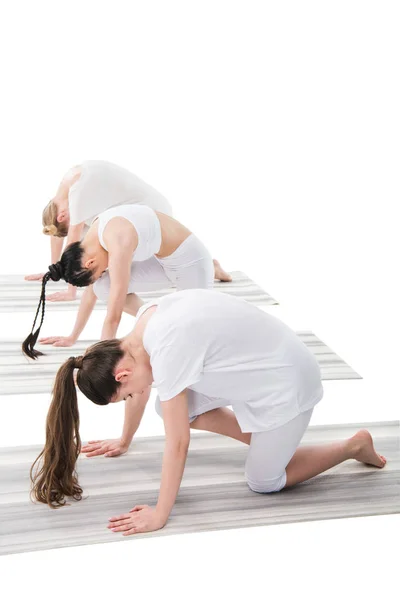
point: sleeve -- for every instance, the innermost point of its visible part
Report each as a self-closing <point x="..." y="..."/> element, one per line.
<point x="177" y="365"/>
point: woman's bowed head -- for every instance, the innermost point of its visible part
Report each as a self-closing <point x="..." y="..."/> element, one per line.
<point x="55" y="221"/>
<point x="74" y="267"/>
<point x="104" y="375"/>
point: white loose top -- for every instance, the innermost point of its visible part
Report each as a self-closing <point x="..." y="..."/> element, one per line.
<point x="103" y="185"/>
<point x="146" y="223"/>
<point x="232" y="353"/>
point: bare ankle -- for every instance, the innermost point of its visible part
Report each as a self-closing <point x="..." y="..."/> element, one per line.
<point x="353" y="446"/>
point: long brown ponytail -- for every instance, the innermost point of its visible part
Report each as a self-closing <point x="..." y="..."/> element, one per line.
<point x="57" y="476"/>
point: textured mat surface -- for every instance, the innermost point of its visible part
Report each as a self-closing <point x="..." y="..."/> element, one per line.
<point x="17" y="295"/>
<point x="19" y="375"/>
<point x="213" y="493"/>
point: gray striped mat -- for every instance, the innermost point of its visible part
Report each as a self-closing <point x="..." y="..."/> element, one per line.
<point x="20" y="375"/>
<point x="213" y="494"/>
<point x="17" y="295"/>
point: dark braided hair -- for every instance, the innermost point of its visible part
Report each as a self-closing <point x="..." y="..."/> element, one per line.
<point x="69" y="268"/>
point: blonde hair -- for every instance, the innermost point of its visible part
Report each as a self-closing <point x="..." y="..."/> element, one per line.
<point x="50" y="224"/>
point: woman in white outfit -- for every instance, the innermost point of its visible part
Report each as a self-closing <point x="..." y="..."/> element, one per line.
<point x="106" y="260"/>
<point x="203" y="351"/>
<point x="86" y="191"/>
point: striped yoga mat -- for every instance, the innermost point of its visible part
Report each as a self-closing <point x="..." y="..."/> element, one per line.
<point x="213" y="493"/>
<point x="19" y="375"/>
<point x="17" y="295"/>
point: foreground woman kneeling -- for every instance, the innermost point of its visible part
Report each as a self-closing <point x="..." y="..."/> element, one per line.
<point x="204" y="351"/>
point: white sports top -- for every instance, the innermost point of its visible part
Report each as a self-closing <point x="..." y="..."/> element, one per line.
<point x="103" y="185"/>
<point x="146" y="223"/>
<point x="232" y="353"/>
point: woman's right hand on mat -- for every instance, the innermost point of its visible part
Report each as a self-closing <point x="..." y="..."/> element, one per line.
<point x="59" y="341"/>
<point x="35" y="277"/>
<point x="106" y="447"/>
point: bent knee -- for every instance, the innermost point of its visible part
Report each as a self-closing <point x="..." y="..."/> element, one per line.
<point x="267" y="486"/>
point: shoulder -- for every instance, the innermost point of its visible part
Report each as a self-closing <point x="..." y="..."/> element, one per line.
<point x="118" y="233"/>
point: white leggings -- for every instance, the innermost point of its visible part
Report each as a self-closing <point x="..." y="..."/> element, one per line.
<point x="190" y="266"/>
<point x="269" y="451"/>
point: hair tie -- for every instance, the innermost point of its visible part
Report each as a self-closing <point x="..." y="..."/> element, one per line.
<point x="50" y="230"/>
<point x="78" y="360"/>
<point x="56" y="271"/>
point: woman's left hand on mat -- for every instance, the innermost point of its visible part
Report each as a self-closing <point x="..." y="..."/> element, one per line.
<point x="141" y="519"/>
<point x="106" y="447"/>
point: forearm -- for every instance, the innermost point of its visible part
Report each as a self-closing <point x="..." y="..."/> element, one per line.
<point x="115" y="306"/>
<point x="86" y="307"/>
<point x="56" y="246"/>
<point x="72" y="289"/>
<point x="172" y="471"/>
<point x="134" y="409"/>
<point x="75" y="233"/>
<point x="116" y="301"/>
<point x="110" y="328"/>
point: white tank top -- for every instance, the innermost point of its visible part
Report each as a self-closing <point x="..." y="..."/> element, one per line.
<point x="146" y="223"/>
<point x="103" y="185"/>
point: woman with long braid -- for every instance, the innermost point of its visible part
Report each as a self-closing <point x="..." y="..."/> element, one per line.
<point x="127" y="249"/>
<point x="203" y="350"/>
<point x="87" y="190"/>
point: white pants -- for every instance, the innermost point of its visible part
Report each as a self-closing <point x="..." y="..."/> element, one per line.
<point x="190" y="266"/>
<point x="269" y="451"/>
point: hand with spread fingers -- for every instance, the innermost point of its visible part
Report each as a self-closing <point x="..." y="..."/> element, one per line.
<point x="141" y="519"/>
<point x="106" y="447"/>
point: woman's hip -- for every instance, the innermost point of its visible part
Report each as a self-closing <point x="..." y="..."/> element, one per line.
<point x="190" y="266"/>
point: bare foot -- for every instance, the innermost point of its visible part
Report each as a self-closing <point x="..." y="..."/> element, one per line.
<point x="362" y="449"/>
<point x="219" y="272"/>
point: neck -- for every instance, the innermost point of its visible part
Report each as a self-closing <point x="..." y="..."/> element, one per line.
<point x="134" y="340"/>
<point x="132" y="345"/>
<point x="91" y="244"/>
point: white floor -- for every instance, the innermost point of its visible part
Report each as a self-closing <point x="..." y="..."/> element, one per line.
<point x="340" y="559"/>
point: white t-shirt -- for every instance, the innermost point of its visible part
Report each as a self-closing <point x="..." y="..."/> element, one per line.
<point x="103" y="185"/>
<point x="231" y="353"/>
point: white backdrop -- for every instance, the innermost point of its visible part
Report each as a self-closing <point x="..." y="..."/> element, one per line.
<point x="273" y="130"/>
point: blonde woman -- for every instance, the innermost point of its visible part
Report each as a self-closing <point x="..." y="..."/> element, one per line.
<point x="86" y="191"/>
